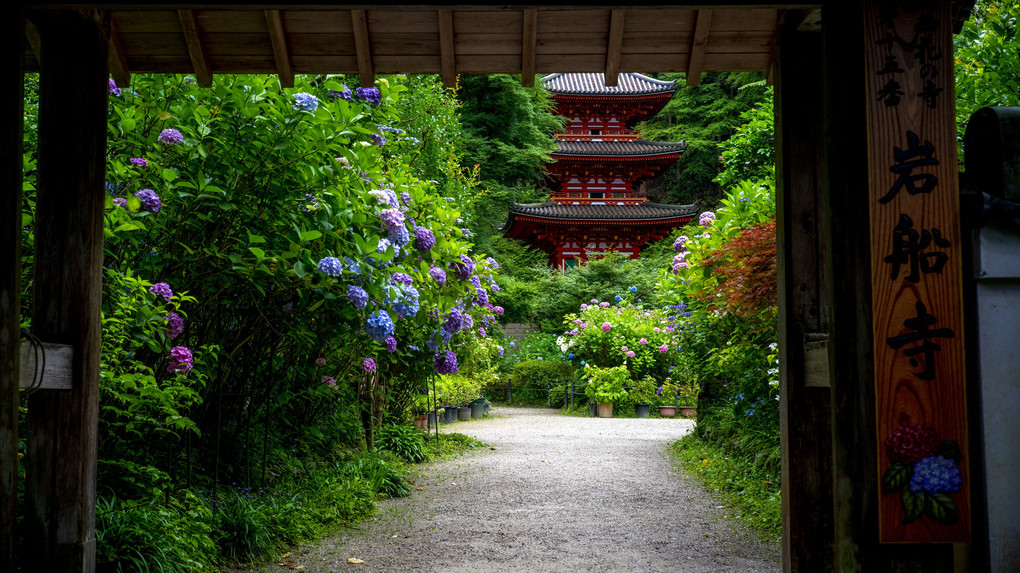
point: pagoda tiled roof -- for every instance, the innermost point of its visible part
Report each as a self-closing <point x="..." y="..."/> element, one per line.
<point x="595" y="84"/>
<point x="639" y="212"/>
<point x="625" y="148"/>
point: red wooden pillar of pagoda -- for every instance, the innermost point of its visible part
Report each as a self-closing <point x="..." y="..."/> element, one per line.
<point x="62" y="432"/>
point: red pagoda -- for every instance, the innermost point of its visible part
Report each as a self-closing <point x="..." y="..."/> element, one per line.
<point x="597" y="203"/>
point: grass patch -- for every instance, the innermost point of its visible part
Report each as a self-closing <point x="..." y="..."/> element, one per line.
<point x="753" y="493"/>
<point x="450" y="445"/>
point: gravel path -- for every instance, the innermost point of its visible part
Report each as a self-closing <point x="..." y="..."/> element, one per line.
<point x="555" y="493"/>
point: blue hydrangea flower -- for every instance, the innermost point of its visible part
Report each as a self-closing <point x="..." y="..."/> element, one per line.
<point x="344" y="94"/>
<point x="405" y="299"/>
<point x="618" y="298"/>
<point x="424" y="240"/>
<point x="400" y="236"/>
<point x="437" y="274"/>
<point x="936" y="474"/>
<point x="633" y="289"/>
<point x="331" y="266"/>
<point x="570" y="356"/>
<point x="444" y="336"/>
<point x="378" y="139"/>
<point x="454" y="321"/>
<point x="402" y="278"/>
<point x="379" y="325"/>
<point x="352" y="266"/>
<point x="305" y="102"/>
<point x="357" y="296"/>
<point x="371" y="95"/>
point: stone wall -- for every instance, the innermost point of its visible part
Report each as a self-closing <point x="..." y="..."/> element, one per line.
<point x="517" y="330"/>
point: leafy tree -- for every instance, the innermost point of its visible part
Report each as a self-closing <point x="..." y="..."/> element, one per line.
<point x="987" y="60"/>
<point x="703" y="116"/>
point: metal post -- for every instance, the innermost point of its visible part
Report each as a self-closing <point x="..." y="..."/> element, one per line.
<point x="571" y="395"/>
<point x="510" y="392"/>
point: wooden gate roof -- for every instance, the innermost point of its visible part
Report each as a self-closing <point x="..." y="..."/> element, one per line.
<point x="449" y="40"/>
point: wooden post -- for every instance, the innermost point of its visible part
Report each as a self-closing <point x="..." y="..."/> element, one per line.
<point x="803" y="315"/>
<point x="62" y="446"/>
<point x="12" y="108"/>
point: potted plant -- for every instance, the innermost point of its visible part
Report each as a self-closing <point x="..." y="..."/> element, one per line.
<point x="640" y="394"/>
<point x="665" y="398"/>
<point x="688" y="397"/>
<point x="605" y="386"/>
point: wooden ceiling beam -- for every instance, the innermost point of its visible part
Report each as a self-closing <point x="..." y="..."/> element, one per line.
<point x="698" y="44"/>
<point x="118" y="61"/>
<point x="34" y="40"/>
<point x="193" y="38"/>
<point x="447" y="49"/>
<point x="363" y="48"/>
<point x="529" y="48"/>
<point x="614" y="48"/>
<point x="278" y="36"/>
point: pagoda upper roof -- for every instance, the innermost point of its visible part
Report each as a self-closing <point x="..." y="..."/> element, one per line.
<point x="587" y="84"/>
<point x="623" y="148"/>
<point x="624" y="213"/>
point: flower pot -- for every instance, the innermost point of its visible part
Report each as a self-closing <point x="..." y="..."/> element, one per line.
<point x="478" y="408"/>
<point x="449" y="414"/>
<point x="641" y="410"/>
<point x="605" y="410"/>
<point x="421" y="422"/>
<point x="688" y="411"/>
<point x="431" y="420"/>
<point x="463" y="413"/>
<point x="667" y="411"/>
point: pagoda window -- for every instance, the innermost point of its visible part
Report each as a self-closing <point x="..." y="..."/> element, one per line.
<point x="595" y="132"/>
<point x="596" y="195"/>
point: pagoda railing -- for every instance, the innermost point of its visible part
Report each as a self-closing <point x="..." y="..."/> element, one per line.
<point x="594" y="137"/>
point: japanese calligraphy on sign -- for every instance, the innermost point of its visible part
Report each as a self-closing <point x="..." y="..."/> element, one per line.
<point x="916" y="274"/>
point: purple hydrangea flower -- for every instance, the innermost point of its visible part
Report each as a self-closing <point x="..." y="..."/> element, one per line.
<point x="469" y="322"/>
<point x="706" y="218"/>
<point x="492" y="263"/>
<point x="331" y="266"/>
<point x="120" y="202"/>
<point x="454" y="321"/>
<point x="475" y="281"/>
<point x="357" y="296"/>
<point x="467" y="233"/>
<point x="371" y="95"/>
<point x="481" y="331"/>
<point x="463" y="269"/>
<point x="402" y="278"/>
<point x="445" y="362"/>
<point x="494" y="287"/>
<point x="678" y="244"/>
<point x="483" y="296"/>
<point x="150" y="201"/>
<point x="391" y="344"/>
<point x="171" y="136"/>
<point x="406" y="198"/>
<point x="139" y="162"/>
<point x="379" y="325"/>
<point x="424" y="240"/>
<point x="113" y="88"/>
<point x="181" y="361"/>
<point x="498" y="310"/>
<point x="936" y="474"/>
<point x="400" y="236"/>
<point x="444" y="337"/>
<point x="438" y="274"/>
<point x="344" y="94"/>
<point x="378" y="140"/>
<point x="392" y="219"/>
<point x="320" y="361"/>
<point x="305" y="102"/>
<point x="174" y="325"/>
<point x="163" y="290"/>
<point x="368" y="365"/>
<point x="329" y="380"/>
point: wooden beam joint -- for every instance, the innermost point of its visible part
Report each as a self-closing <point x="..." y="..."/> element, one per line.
<point x="614" y="48"/>
<point x="447" y="49"/>
<point x="698" y="45"/>
<point x="278" y="36"/>
<point x="193" y="37"/>
<point x="363" y="48"/>
<point x="529" y="47"/>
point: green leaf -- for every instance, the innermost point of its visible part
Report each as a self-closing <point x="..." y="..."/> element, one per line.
<point x="259" y="253"/>
<point x="169" y="175"/>
<point x="127" y="124"/>
<point x="913" y="505"/>
<point x="254" y="239"/>
<point x="299" y="269"/>
<point x="941" y="507"/>
<point x="310" y="235"/>
<point x="896" y="477"/>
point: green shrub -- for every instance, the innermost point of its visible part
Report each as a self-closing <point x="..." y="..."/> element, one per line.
<point x="406" y="442"/>
<point x="531" y="377"/>
<point x="155" y="535"/>
<point x="384" y="477"/>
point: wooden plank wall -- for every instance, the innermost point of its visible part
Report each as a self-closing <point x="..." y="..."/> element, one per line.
<point x="11" y="120"/>
<point x="62" y="438"/>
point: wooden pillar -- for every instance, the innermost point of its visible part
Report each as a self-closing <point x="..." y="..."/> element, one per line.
<point x="62" y="447"/>
<point x="12" y="108"/>
<point x="856" y="489"/>
<point x="803" y="314"/>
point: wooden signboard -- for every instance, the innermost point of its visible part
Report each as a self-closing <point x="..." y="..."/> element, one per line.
<point x="916" y="274"/>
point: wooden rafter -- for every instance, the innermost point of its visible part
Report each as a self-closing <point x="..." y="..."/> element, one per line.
<point x="447" y="49"/>
<point x="614" y="48"/>
<point x="34" y="40"/>
<point x="278" y="36"/>
<point x="118" y="61"/>
<point x="363" y="47"/>
<point x="529" y="47"/>
<point x="193" y="38"/>
<point x="698" y="45"/>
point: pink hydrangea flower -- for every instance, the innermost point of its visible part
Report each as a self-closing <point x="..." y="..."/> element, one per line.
<point x="329" y="380"/>
<point x="584" y="307"/>
<point x="643" y="341"/>
<point x="594" y="301"/>
<point x="606" y="326"/>
<point x="603" y="304"/>
<point x="320" y="361"/>
<point x="664" y="348"/>
<point x="623" y="349"/>
<point x="368" y="365"/>
<point x="656" y="330"/>
<point x="630" y="354"/>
